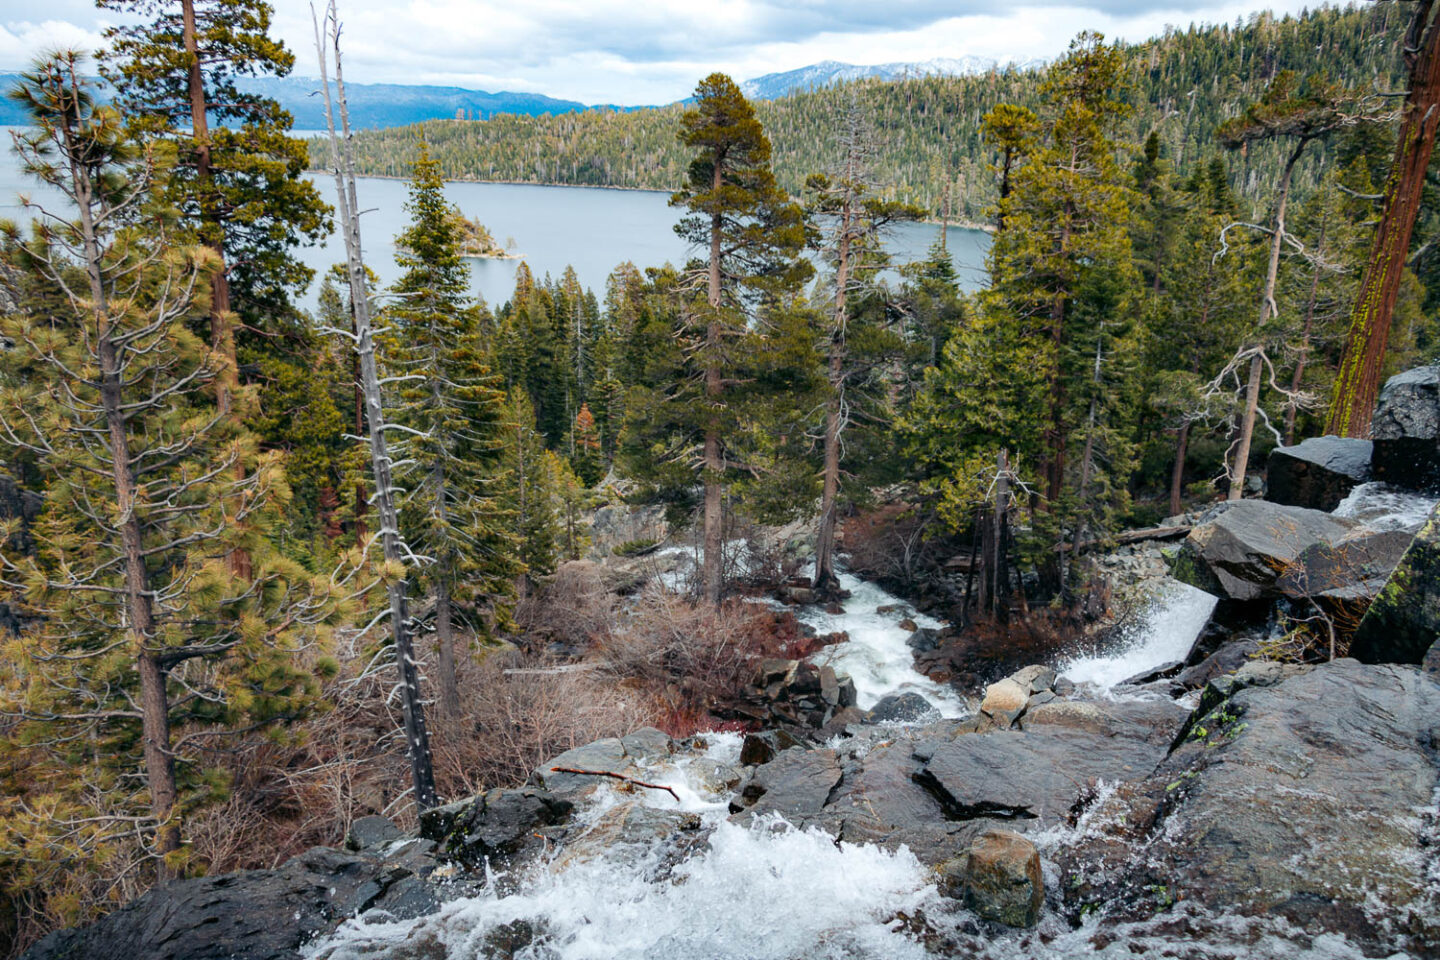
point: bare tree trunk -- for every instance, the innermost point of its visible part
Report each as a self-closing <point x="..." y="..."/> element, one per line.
<point x="1358" y="382"/>
<point x="1177" y="473"/>
<point x="825" y="579"/>
<point x="417" y="737"/>
<point x="996" y="569"/>
<point x="1304" y="352"/>
<point x="714" y="493"/>
<point x="1267" y="310"/>
<point x="445" y="634"/>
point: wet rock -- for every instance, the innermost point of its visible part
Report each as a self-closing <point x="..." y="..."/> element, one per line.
<point x="1304" y="799"/>
<point x="908" y="624"/>
<point x="252" y="915"/>
<point x="795" y="784"/>
<point x="1035" y="678"/>
<point x="1403" y="621"/>
<point x="1154" y="722"/>
<point x="1005" y="701"/>
<point x="493" y="825"/>
<point x="1036" y="774"/>
<point x="1406" y="430"/>
<point x="1356" y="568"/>
<point x="923" y="640"/>
<point x="371" y="832"/>
<point x="623" y="755"/>
<point x="903" y="708"/>
<point x="764" y="746"/>
<point x="1227" y="659"/>
<point x="1241" y="548"/>
<point x="1317" y="473"/>
<point x="627" y="824"/>
<point x="1163" y="672"/>
<point x="1002" y="879"/>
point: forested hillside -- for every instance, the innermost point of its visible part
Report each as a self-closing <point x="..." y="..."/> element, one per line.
<point x="1184" y="85"/>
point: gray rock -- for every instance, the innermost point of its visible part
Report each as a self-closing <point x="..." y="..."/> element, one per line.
<point x="795" y="784"/>
<point x="1035" y="678"/>
<point x="1304" y="799"/>
<point x="1227" y="659"/>
<point x="1403" y="621"/>
<point x="1431" y="663"/>
<point x="252" y="915"/>
<point x="1355" y="568"/>
<point x="1153" y="722"/>
<point x="370" y="832"/>
<point x="493" y="825"/>
<point x="1163" y="672"/>
<point x="904" y="708"/>
<point x="1241" y="548"/>
<point x="623" y="755"/>
<point x="1317" y="473"/>
<point x="764" y="746"/>
<point x="1406" y="430"/>
<point x="923" y="640"/>
<point x="1035" y="774"/>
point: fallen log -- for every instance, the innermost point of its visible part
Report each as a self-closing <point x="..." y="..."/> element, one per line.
<point x="617" y="776"/>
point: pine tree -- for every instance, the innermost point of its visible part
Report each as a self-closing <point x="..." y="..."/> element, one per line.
<point x="585" y="442"/>
<point x="750" y="233"/>
<point x="528" y="486"/>
<point x="139" y="625"/>
<point x="451" y="411"/>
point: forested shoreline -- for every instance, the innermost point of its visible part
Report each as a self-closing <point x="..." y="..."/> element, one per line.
<point x="266" y="560"/>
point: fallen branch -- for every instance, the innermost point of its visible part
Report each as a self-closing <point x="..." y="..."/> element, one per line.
<point x="617" y="776"/>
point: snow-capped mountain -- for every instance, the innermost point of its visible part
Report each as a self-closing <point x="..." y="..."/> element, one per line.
<point x="828" y="72"/>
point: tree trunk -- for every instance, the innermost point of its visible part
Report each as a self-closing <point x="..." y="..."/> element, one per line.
<point x="445" y="634"/>
<point x="1358" y="382"/>
<point x="825" y="579"/>
<point x="417" y="737"/>
<point x="1304" y="352"/>
<point x="714" y="503"/>
<point x="1267" y="310"/>
<point x="1177" y="474"/>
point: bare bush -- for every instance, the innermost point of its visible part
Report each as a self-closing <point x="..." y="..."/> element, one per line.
<point x="894" y="544"/>
<point x="572" y="607"/>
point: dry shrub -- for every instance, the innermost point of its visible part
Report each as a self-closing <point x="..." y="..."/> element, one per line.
<point x="689" y="657"/>
<point x="518" y="713"/>
<point x="894" y="544"/>
<point x="572" y="607"/>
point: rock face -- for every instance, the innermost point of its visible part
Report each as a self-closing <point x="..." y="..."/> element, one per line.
<point x="1306" y="798"/>
<point x="254" y="915"/>
<point x="1240" y="549"/>
<point x="1406" y="430"/>
<point x="1003" y="880"/>
<point x="612" y="755"/>
<point x="1404" y="620"/>
<point x="1317" y="473"/>
<point x="903" y="708"/>
<point x="494" y="825"/>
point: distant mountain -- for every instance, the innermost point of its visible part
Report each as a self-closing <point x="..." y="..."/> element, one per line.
<point x="372" y="105"/>
<point x="827" y="73"/>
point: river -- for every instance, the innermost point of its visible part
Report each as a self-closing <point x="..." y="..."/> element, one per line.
<point x="589" y="228"/>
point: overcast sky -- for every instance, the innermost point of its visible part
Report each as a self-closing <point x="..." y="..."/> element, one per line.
<point x="650" y="51"/>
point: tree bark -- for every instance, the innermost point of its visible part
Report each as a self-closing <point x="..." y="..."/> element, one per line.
<point x="445" y="634"/>
<point x="714" y="572"/>
<point x="825" y="579"/>
<point x="417" y="737"/>
<point x="1177" y="474"/>
<point x="1267" y="310"/>
<point x="1362" y="363"/>
<point x="1304" y="352"/>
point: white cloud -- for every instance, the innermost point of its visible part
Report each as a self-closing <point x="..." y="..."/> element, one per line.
<point x="22" y="40"/>
<point x="654" y="51"/>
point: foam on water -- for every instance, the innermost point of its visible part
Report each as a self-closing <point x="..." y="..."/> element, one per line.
<point x="1382" y="507"/>
<point x="876" y="655"/>
<point x="1165" y="631"/>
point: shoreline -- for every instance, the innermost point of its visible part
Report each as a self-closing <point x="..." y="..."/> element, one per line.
<point x="958" y="224"/>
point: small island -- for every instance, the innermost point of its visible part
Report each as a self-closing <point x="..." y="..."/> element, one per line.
<point x="476" y="240"/>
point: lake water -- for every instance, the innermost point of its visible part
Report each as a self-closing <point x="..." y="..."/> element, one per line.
<point x="591" y="229"/>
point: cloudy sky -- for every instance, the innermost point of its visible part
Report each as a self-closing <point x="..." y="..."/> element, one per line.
<point x="651" y="51"/>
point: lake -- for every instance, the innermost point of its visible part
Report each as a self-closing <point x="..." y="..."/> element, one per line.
<point x="592" y="229"/>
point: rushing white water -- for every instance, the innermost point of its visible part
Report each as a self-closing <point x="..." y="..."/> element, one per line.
<point x="1165" y="631"/>
<point x="876" y="655"/>
<point x="1381" y="507"/>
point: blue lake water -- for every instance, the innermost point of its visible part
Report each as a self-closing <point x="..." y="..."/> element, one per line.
<point x="591" y="229"/>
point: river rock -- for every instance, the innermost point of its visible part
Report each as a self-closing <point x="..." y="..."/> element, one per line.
<point x="1241" y="548"/>
<point x="1406" y="430"/>
<point x="614" y="755"/>
<point x="1309" y="799"/>
<point x="1404" y="620"/>
<point x="1317" y="473"/>
<point x="907" y="707"/>
<point x="369" y="833"/>
<point x="1002" y="879"/>
<point x="251" y="915"/>
<point x="493" y="825"/>
<point x="1355" y="568"/>
<point x="1005" y="701"/>
<point x="795" y="784"/>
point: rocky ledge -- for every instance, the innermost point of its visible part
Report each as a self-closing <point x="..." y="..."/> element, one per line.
<point x="1304" y="793"/>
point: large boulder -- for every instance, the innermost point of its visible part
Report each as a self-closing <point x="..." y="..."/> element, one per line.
<point x="1240" y="549"/>
<point x="1406" y="430"/>
<point x="1306" y="796"/>
<point x="1001" y="878"/>
<point x="493" y="825"/>
<point x="253" y="915"/>
<point x="1355" y="568"/>
<point x="625" y="756"/>
<point x="1403" y="621"/>
<point x="1317" y="473"/>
